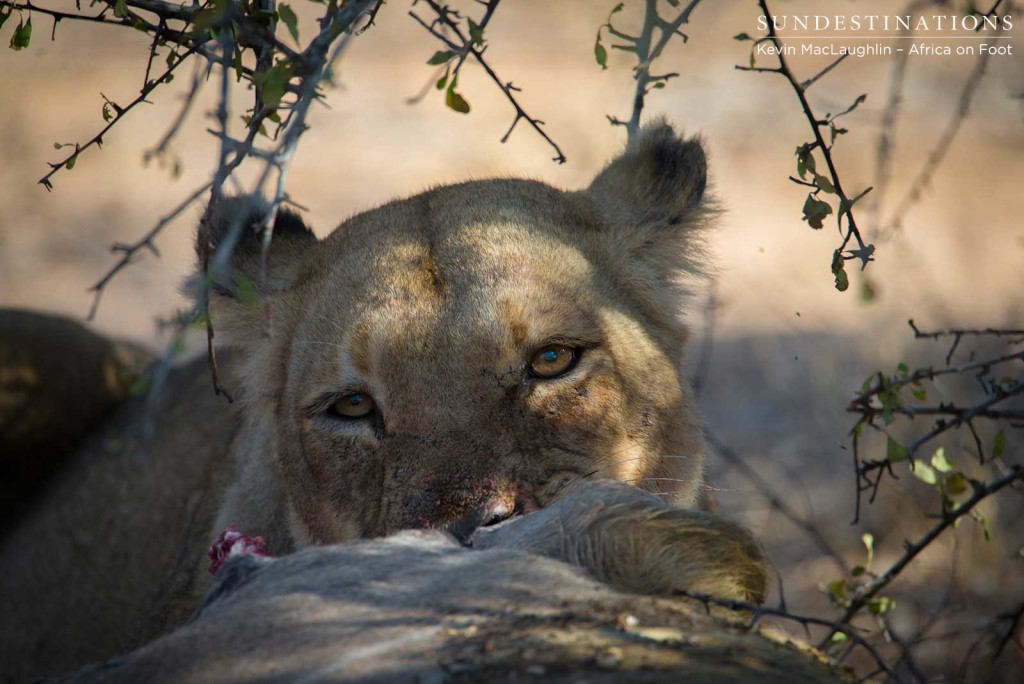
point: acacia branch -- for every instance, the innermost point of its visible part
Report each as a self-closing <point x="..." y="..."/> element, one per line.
<point x="864" y="250"/>
<point x="647" y="49"/>
<point x="871" y="589"/>
<point x="758" y="612"/>
<point x="119" y="113"/>
<point x="130" y="252"/>
<point x="959" y="333"/>
<point x="465" y="47"/>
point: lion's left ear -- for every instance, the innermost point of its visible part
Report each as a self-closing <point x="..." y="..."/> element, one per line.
<point x="235" y="225"/>
<point x="653" y="208"/>
<point x="657" y="182"/>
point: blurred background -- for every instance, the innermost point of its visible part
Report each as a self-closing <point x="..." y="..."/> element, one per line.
<point x="777" y="351"/>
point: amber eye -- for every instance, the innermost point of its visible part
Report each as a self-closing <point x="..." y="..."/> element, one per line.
<point x="355" y="405"/>
<point x="553" y="360"/>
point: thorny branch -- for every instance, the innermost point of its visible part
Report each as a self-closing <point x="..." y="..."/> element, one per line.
<point x="959" y="333"/>
<point x="464" y="46"/>
<point x="309" y="66"/>
<point x="814" y="209"/>
<point x="758" y="612"/>
<point x="873" y="587"/>
<point x="880" y="399"/>
<point x="120" y="113"/>
<point x="129" y="253"/>
<point x="647" y="47"/>
<point x="235" y="30"/>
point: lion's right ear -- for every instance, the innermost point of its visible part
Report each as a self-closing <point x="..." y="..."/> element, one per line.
<point x="229" y="248"/>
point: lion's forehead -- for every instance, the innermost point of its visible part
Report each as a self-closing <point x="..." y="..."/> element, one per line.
<point x="474" y="271"/>
<point x="469" y="295"/>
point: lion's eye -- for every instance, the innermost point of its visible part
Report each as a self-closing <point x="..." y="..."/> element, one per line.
<point x="553" y="360"/>
<point x="355" y="405"/>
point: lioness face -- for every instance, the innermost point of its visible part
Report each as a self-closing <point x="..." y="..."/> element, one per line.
<point x="454" y="358"/>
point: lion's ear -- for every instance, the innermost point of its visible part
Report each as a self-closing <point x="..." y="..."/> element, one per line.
<point x="652" y="208"/>
<point x="229" y="241"/>
<point x="657" y="182"/>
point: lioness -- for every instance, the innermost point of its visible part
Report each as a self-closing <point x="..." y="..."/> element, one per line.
<point x="448" y="360"/>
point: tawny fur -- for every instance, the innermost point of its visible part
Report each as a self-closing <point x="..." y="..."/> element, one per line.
<point x="432" y="305"/>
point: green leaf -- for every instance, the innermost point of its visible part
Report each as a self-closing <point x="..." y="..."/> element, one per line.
<point x="836" y="132"/>
<point x="956" y="484"/>
<point x="22" y="35"/>
<point x="5" y="14"/>
<point x="248" y="121"/>
<point x="940" y="462"/>
<point x="843" y="284"/>
<point x="999" y="445"/>
<point x="842" y="280"/>
<point x="121" y="9"/>
<point x="440" y="57"/>
<point x="287" y="15"/>
<point x="476" y="34"/>
<point x="894" y="451"/>
<point x="902" y="368"/>
<point x="839" y="638"/>
<point x="923" y="472"/>
<point x="858" y="570"/>
<point x="918" y="391"/>
<point x="204" y="20"/>
<point x="274" y="81"/>
<point x="70" y="163"/>
<point x="824" y="184"/>
<point x="443" y="81"/>
<point x="455" y="101"/>
<point x="869" y="543"/>
<point x="600" y="53"/>
<point x="107" y="115"/>
<point x="804" y="160"/>
<point x="742" y="36"/>
<point x="815" y="211"/>
<point x="880" y="605"/>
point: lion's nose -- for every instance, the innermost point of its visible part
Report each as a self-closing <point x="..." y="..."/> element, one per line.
<point x="489" y="513"/>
